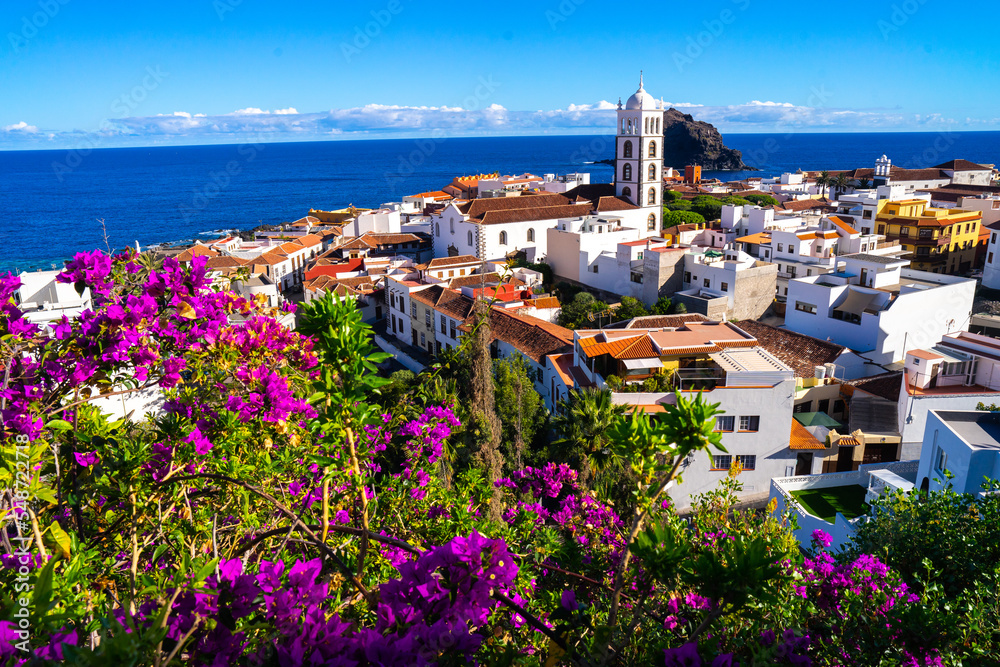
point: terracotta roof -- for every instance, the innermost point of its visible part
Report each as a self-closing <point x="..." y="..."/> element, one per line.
<point x="844" y="224"/>
<point x="884" y="385"/>
<point x="225" y="262"/>
<point x="537" y="213"/>
<point x="664" y="321"/>
<point x="962" y="165"/>
<point x="848" y="441"/>
<point x="563" y="364"/>
<point x="924" y="354"/>
<point x="545" y="302"/>
<point x="531" y="336"/>
<point x="605" y="204"/>
<point x="758" y="238"/>
<point x="799" y="352"/>
<point x="807" y="204"/>
<point x="476" y="208"/>
<point x="324" y="269"/>
<point x="195" y="251"/>
<point x="439" y="262"/>
<point x="270" y="258"/>
<point x="309" y="240"/>
<point x="800" y="438"/>
<point x="390" y="239"/>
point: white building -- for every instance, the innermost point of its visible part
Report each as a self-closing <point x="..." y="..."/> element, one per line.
<point x="43" y="300"/>
<point x="727" y="284"/>
<point x="991" y="270"/>
<point x="965" y="444"/>
<point x="716" y="359"/>
<point x="878" y="308"/>
<point x="639" y="155"/>
<point x="564" y="182"/>
<point x="376" y="221"/>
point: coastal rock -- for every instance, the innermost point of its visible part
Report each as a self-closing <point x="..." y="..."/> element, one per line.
<point x="689" y="141"/>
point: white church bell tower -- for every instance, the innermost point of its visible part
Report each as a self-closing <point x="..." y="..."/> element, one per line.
<point x="639" y="155"/>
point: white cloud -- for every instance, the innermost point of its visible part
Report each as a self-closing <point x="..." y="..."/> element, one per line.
<point x="21" y="127"/>
<point x="370" y="120"/>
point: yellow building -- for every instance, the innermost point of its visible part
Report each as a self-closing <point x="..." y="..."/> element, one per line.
<point x="940" y="240"/>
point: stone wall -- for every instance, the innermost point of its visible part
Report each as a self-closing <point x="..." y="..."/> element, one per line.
<point x="754" y="291"/>
<point x="662" y="274"/>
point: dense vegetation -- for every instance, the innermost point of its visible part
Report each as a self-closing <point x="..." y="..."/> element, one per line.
<point x="290" y="506"/>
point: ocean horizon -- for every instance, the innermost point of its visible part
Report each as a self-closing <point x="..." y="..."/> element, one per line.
<point x="53" y="200"/>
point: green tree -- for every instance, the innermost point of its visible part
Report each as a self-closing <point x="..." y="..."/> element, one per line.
<point x="681" y="205"/>
<point x="762" y="200"/>
<point x="864" y="184"/>
<point x="823" y="181"/>
<point x="841" y="182"/>
<point x="734" y="201"/>
<point x="575" y="314"/>
<point x="671" y="196"/>
<point x="630" y="308"/>
<point x="661" y="307"/>
<point x="680" y="308"/>
<point x="519" y="406"/>
<point x="710" y="208"/>
<point x="671" y="218"/>
<point x="582" y="424"/>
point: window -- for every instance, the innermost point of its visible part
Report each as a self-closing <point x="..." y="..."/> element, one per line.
<point x="651" y="196"/>
<point x="722" y="462"/>
<point x="725" y="287"/>
<point x="989" y="258"/>
<point x="503" y="238"/>
<point x="652" y="172"/>
<point x="627" y="172"/>
<point x="750" y="423"/>
<point x="651" y="222"/>
<point x="451" y="333"/>
<point x="636" y="277"/>
<point x="652" y="149"/>
<point x="838" y="407"/>
<point x="881" y="229"/>
<point x="804" y="307"/>
<point x="904" y="231"/>
<point x="791" y="250"/>
<point x="451" y="273"/>
<point x="940" y="459"/>
<point x="809" y="272"/>
<point x="627" y="192"/>
<point x="725" y="423"/>
<point x="627" y="149"/>
<point x="867" y="215"/>
<point x="413" y="308"/>
<point x="453" y="225"/>
<point x="823" y="406"/>
<point x="444" y="324"/>
<point x="781" y="247"/>
<point x="531" y="235"/>
<point x="747" y="461"/>
<point x="437" y="229"/>
<point x="687" y="276"/>
<point x="707" y="282"/>
<point x="993" y="236"/>
<point x="596" y="267"/>
<point x="470" y="238"/>
<point x="423" y="339"/>
<point x="802" y="407"/>
<point x="427" y="318"/>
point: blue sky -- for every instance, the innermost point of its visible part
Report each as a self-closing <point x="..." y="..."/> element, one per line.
<point x="220" y="71"/>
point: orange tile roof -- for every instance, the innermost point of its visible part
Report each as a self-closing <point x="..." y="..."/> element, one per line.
<point x="545" y="302"/>
<point x="848" y="441"/>
<point x="759" y="237"/>
<point x="843" y="224"/>
<point x="924" y="354"/>
<point x="563" y="363"/>
<point x="801" y="438"/>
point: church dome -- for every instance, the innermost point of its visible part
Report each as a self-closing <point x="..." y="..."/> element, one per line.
<point x="641" y="100"/>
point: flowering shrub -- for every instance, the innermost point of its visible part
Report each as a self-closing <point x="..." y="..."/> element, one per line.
<point x="267" y="511"/>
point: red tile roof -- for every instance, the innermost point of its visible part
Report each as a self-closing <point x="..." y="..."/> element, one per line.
<point x="799" y="352"/>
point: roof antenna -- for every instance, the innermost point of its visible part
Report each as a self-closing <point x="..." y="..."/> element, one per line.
<point x="640" y="79"/>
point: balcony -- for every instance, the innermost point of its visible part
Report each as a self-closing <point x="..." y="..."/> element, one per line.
<point x="698" y="379"/>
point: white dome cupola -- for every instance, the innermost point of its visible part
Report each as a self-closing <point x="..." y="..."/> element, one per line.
<point x="640" y="99"/>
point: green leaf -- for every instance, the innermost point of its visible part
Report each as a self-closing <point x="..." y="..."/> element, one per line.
<point x="59" y="425"/>
<point x="62" y="540"/>
<point x="206" y="569"/>
<point x="43" y="588"/>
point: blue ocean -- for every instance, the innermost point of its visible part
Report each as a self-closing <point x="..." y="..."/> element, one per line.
<point x="53" y="202"/>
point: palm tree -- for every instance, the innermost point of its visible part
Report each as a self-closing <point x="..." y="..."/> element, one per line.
<point x="823" y="180"/>
<point x="841" y="183"/>
<point x="583" y="422"/>
<point x="864" y="184"/>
